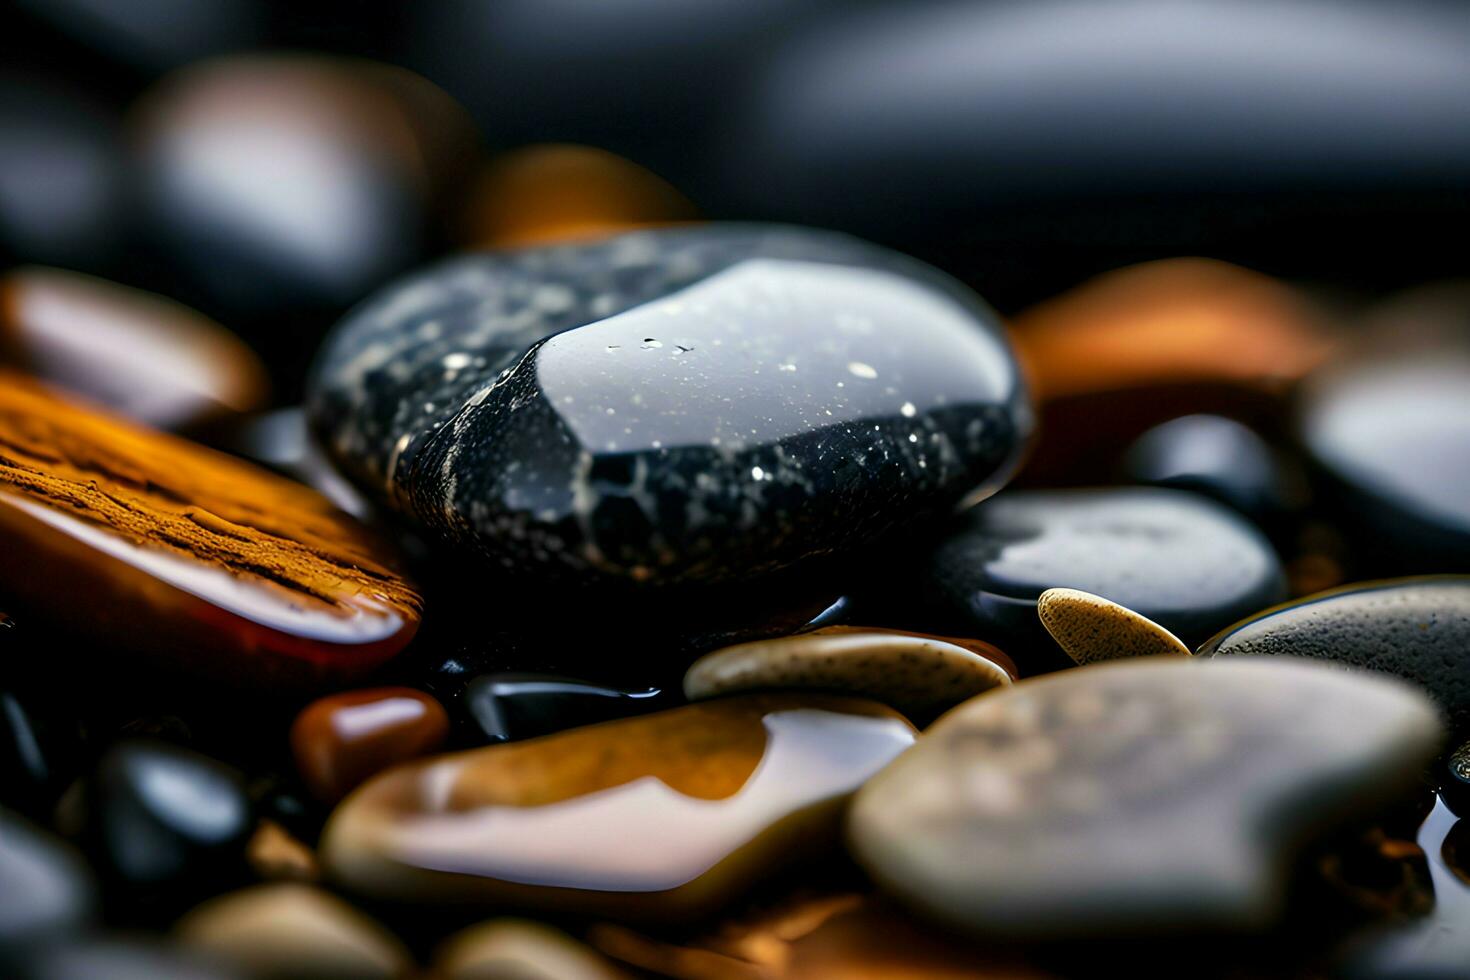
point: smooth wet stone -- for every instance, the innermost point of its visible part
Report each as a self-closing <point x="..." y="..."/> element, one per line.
<point x="274" y="855"/>
<point x="138" y="354"/>
<point x="559" y="192"/>
<point x="38" y="750"/>
<point x="1090" y="629"/>
<point x="1436" y="947"/>
<point x="507" y="707"/>
<point x="519" y="949"/>
<point x="342" y="739"/>
<point x="117" y="958"/>
<point x="186" y="556"/>
<point x="1389" y="425"/>
<point x="62" y="177"/>
<point x="667" y="816"/>
<point x="281" y="440"/>
<point x="1414" y="628"/>
<point x="1216" y="128"/>
<point x="46" y="890"/>
<point x="160" y="819"/>
<point x="1187" y="563"/>
<point x="288" y="931"/>
<point x="1137" y="347"/>
<point x="1220" y="458"/>
<point x="1455" y="784"/>
<point x="920" y="675"/>
<point x="676" y="406"/>
<point x="1144" y="796"/>
<point x="279" y="183"/>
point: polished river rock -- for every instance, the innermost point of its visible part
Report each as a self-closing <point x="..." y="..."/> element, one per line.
<point x="663" y="816"/>
<point x="682" y="405"/>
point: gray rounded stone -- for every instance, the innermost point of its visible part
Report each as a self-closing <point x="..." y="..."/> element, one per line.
<point x="1136" y="796"/>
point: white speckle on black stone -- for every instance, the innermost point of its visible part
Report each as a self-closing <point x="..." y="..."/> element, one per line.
<point x="600" y="410"/>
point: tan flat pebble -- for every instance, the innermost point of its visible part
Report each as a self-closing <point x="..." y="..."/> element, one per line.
<point x="1091" y="629"/>
<point x="519" y="949"/>
<point x="275" y="855"/>
<point x="286" y="931"/>
<point x="920" y="675"/>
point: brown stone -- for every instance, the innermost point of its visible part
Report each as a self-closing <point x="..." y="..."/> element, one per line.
<point x="141" y="355"/>
<point x="187" y="555"/>
<point x="918" y="674"/>
<point x="562" y="192"/>
<point x="342" y="739"/>
<point x="1133" y="348"/>
<point x="1091" y="629"/>
<point x="274" y="855"/>
<point x="662" y="816"/>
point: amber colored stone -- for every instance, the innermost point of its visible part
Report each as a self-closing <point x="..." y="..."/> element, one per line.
<point x="1130" y="349"/>
<point x="664" y="816"/>
<point x="561" y="192"/>
<point x="141" y="355"/>
<point x="187" y="555"/>
<point x="342" y="739"/>
<point x="274" y="855"/>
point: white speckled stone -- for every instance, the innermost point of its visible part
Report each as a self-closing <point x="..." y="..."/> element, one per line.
<point x="1135" y="797"/>
<point x="917" y="674"/>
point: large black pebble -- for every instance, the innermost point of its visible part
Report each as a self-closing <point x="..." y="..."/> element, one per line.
<point x="680" y="406"/>
<point x="1184" y="561"/>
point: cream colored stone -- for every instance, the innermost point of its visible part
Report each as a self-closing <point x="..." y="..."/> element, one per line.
<point x="919" y="675"/>
<point x="1091" y="629"/>
<point x="287" y="930"/>
<point x="519" y="949"/>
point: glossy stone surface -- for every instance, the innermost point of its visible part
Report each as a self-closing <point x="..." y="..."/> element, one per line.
<point x="62" y="177"/>
<point x="1220" y="458"/>
<point x="507" y="707"/>
<point x="1455" y="783"/>
<point x="673" y="406"/>
<point x="342" y="739"/>
<point x="666" y="816"/>
<point x="291" y="932"/>
<point x="161" y="819"/>
<point x="521" y="950"/>
<point x="188" y="556"/>
<point x="38" y="747"/>
<point x="140" y="355"/>
<point x="919" y="675"/>
<point x="560" y="192"/>
<point x="281" y="182"/>
<point x="1414" y="628"/>
<point x="1135" y="797"/>
<point x="1090" y="629"/>
<point x="1436" y="947"/>
<point x="1220" y="128"/>
<point x="1142" y="345"/>
<point x="120" y="959"/>
<point x="1181" y="560"/>
<point x="46" y="890"/>
<point x="1390" y="426"/>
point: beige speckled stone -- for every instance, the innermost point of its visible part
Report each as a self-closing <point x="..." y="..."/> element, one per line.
<point x="286" y="930"/>
<point x="1091" y="629"/>
<point x="519" y="949"/>
<point x="920" y="675"/>
<point x="1144" y="796"/>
